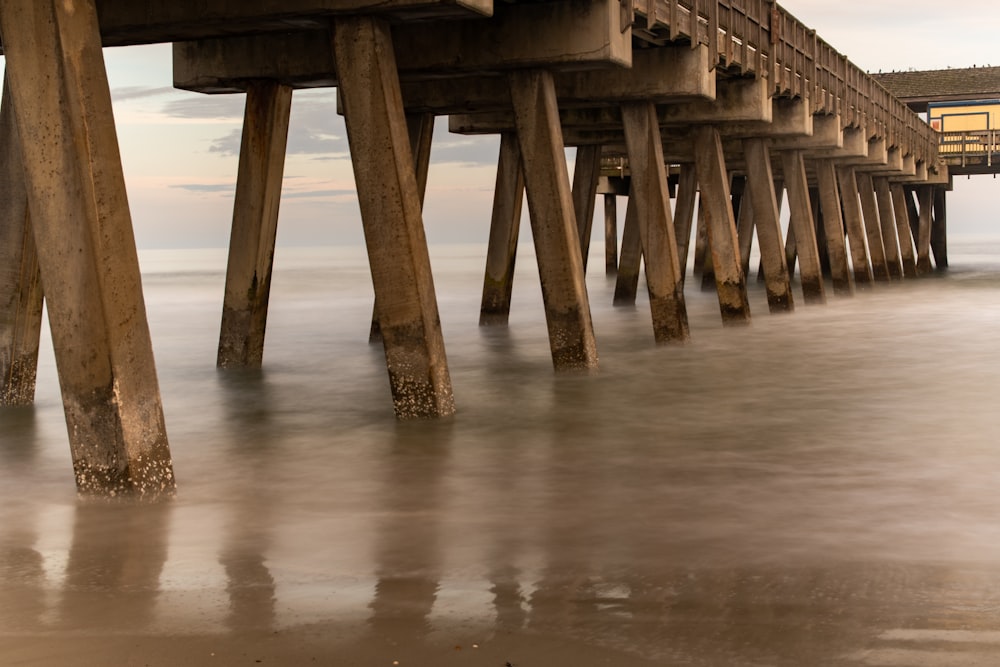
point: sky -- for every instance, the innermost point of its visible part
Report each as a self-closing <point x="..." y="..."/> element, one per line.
<point x="180" y="149"/>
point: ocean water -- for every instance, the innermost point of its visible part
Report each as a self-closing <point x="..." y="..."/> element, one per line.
<point x="817" y="488"/>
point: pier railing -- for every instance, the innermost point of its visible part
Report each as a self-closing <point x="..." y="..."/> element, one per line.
<point x="975" y="148"/>
<point x="759" y="37"/>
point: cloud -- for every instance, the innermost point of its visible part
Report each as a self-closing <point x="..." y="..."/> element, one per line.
<point x="124" y="93"/>
<point x="206" y="187"/>
<point x="313" y="194"/>
<point x="206" y="107"/>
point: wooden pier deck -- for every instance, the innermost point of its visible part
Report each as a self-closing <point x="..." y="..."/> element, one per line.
<point x="728" y="95"/>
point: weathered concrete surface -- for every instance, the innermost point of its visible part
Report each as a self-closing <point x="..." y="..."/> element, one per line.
<point x="925" y="197"/>
<point x="20" y="283"/>
<point x="578" y="35"/>
<point x="887" y="219"/>
<point x="420" y="127"/>
<point x="687" y="197"/>
<point x="873" y="226"/>
<point x="723" y="242"/>
<point x="610" y="234"/>
<point x="627" y="282"/>
<point x="504" y="227"/>
<point x="586" y="173"/>
<point x="656" y="228"/>
<point x="833" y="224"/>
<point x="86" y="250"/>
<point x="553" y="223"/>
<point x="255" y="224"/>
<point x="390" y="209"/>
<point x="801" y="221"/>
<point x="764" y="204"/>
<point x="902" y="219"/>
<point x="939" y="229"/>
<point x="855" y="226"/>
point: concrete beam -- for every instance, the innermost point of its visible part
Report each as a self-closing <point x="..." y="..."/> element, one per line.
<point x="505" y="224"/>
<point x="559" y="34"/>
<point x="854" y="146"/>
<point x="86" y="248"/>
<point x="764" y="205"/>
<point x="391" y="215"/>
<point x="20" y="283"/>
<point x="255" y="225"/>
<point x="827" y="134"/>
<point x="553" y="222"/>
<point x="124" y="22"/>
<point x="721" y="226"/>
<point x="656" y="227"/>
<point x="737" y="100"/>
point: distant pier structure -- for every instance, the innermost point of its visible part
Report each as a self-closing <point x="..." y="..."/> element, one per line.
<point x="734" y="104"/>
<point x="963" y="104"/>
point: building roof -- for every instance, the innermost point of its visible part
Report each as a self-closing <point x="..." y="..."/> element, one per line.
<point x="942" y="85"/>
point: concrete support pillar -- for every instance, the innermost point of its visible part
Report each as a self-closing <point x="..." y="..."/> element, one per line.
<point x="902" y="217"/>
<point x="744" y="232"/>
<point x="86" y="248"/>
<point x="255" y="224"/>
<point x="610" y="234"/>
<point x="687" y="196"/>
<point x="887" y="219"/>
<point x="390" y="212"/>
<point x="873" y="227"/>
<point x="764" y="208"/>
<point x="656" y="225"/>
<point x="20" y="283"/>
<point x="504" y="227"/>
<point x="586" y="174"/>
<point x="801" y="220"/>
<point x="939" y="229"/>
<point x="779" y="194"/>
<point x="627" y="282"/>
<point x="925" y="195"/>
<point x="720" y="226"/>
<point x="820" y="227"/>
<point x="420" y="127"/>
<point x="833" y="225"/>
<point x="855" y="226"/>
<point x="701" y="253"/>
<point x="553" y="222"/>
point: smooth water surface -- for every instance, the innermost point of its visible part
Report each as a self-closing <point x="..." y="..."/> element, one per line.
<point x="817" y="489"/>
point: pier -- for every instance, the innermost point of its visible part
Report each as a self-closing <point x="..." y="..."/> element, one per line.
<point x="737" y="104"/>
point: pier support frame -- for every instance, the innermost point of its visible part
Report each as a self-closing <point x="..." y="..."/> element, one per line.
<point x="504" y="228"/>
<point x="627" y="282"/>
<point x="720" y="226"/>
<point x="420" y="127"/>
<point x="20" y="283"/>
<point x="855" y="226"/>
<point x="610" y="234"/>
<point x="804" y="227"/>
<point x="656" y="228"/>
<point x="763" y="207"/>
<point x="887" y="219"/>
<point x="902" y="217"/>
<point x="86" y="248"/>
<point x="586" y="174"/>
<point x="833" y="225"/>
<point x="255" y="224"/>
<point x="939" y="229"/>
<point x="553" y="221"/>
<point x="391" y="215"/>
<point x="684" y="207"/>
<point x="925" y="195"/>
<point x="873" y="227"/>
